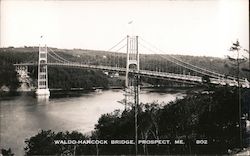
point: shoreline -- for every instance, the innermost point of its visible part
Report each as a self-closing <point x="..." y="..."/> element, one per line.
<point x="75" y="91"/>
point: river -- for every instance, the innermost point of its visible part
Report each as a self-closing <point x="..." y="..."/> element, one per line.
<point x="24" y="116"/>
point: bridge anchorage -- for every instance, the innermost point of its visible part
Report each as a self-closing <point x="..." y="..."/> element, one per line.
<point x="42" y="81"/>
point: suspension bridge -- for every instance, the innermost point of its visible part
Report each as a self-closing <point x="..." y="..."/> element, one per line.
<point x="133" y="66"/>
<point x="133" y="69"/>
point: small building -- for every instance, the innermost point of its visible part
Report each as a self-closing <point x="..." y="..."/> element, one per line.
<point x="106" y="73"/>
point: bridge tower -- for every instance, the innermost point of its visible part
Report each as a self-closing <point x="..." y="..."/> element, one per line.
<point x="132" y="56"/>
<point x="42" y="83"/>
<point x="132" y="87"/>
<point x="132" y="64"/>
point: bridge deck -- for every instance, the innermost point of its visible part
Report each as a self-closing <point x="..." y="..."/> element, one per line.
<point x="148" y="73"/>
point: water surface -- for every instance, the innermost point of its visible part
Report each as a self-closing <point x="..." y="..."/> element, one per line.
<point x="24" y="116"/>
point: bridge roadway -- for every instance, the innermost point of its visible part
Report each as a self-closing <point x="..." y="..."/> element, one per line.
<point x="147" y="73"/>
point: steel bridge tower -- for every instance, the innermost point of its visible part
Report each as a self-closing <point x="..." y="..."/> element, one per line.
<point x="132" y="87"/>
<point x="42" y="83"/>
<point x="131" y="80"/>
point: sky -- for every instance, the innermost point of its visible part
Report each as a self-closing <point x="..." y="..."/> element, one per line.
<point x="188" y="27"/>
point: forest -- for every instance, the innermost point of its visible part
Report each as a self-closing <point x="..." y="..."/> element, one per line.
<point x="67" y="78"/>
<point x="212" y="116"/>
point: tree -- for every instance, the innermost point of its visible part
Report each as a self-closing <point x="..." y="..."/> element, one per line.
<point x="237" y="61"/>
<point x="8" y="74"/>
<point x="43" y="144"/>
<point x="7" y="152"/>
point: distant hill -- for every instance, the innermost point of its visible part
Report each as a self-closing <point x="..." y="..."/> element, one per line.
<point x="150" y="62"/>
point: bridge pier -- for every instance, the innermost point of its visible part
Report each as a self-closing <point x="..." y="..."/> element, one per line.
<point x="42" y="83"/>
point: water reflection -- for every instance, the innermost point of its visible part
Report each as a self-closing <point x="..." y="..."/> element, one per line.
<point x="43" y="99"/>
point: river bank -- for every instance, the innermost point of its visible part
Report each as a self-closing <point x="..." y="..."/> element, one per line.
<point x="79" y="91"/>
